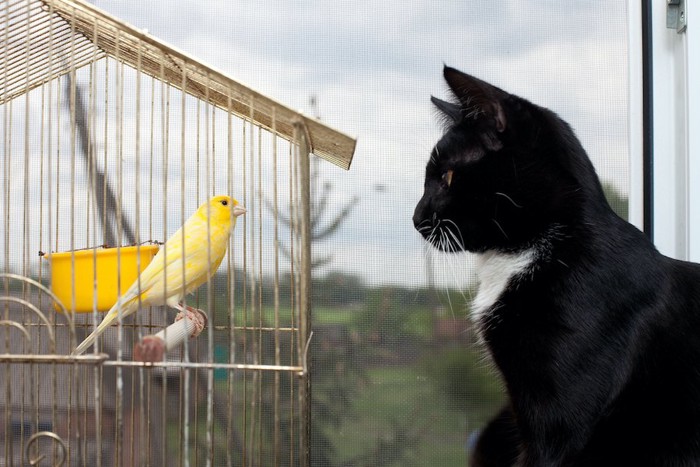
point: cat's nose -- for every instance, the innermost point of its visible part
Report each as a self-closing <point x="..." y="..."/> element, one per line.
<point x="421" y="214"/>
<point x="418" y="216"/>
<point x="416" y="219"/>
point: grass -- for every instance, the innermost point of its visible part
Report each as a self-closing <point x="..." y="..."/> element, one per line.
<point x="394" y="397"/>
<point x="403" y="401"/>
<point x="400" y="417"/>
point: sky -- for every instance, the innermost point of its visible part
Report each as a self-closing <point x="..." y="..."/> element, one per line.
<point x="373" y="66"/>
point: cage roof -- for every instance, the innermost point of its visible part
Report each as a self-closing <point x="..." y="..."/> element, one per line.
<point x="45" y="39"/>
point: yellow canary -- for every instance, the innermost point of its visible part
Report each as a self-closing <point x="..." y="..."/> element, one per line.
<point x="181" y="265"/>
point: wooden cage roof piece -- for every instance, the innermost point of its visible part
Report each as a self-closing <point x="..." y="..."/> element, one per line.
<point x="44" y="39"/>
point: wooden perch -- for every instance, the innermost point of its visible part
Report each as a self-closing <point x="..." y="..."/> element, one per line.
<point x="187" y="324"/>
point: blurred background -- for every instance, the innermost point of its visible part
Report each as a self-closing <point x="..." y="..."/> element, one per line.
<point x="397" y="377"/>
<point x="368" y="69"/>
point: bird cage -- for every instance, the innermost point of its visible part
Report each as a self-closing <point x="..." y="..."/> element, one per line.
<point x="111" y="139"/>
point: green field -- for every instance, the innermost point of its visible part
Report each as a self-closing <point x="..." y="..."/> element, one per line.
<point x="387" y="388"/>
<point x="400" y="420"/>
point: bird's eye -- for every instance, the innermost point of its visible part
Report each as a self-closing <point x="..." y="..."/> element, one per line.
<point x="224" y="202"/>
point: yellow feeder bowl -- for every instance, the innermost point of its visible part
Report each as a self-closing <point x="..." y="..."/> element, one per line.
<point x="103" y="261"/>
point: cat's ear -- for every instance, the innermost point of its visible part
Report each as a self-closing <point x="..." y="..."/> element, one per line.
<point x="450" y="110"/>
<point x="479" y="99"/>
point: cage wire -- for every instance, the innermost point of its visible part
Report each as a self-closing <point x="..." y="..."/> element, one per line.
<point x="111" y="138"/>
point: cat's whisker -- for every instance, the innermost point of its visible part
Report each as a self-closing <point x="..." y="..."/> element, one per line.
<point x="454" y="232"/>
<point x="434" y="155"/>
<point x="452" y="266"/>
<point x="427" y="251"/>
<point x="424" y="225"/>
<point x="500" y="228"/>
<point x="432" y="236"/>
<point x="451" y="239"/>
<point x="447" y="244"/>
<point x="446" y="240"/>
<point x="436" y="240"/>
<point x="455" y="270"/>
<point x="509" y="199"/>
<point x="446" y="247"/>
<point x="443" y="239"/>
<point x="444" y="243"/>
<point x="452" y="306"/>
<point x="449" y="301"/>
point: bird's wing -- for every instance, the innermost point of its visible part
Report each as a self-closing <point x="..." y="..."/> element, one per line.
<point x="150" y="286"/>
<point x="168" y="276"/>
<point x="127" y="307"/>
<point x="205" y="250"/>
<point x="157" y="286"/>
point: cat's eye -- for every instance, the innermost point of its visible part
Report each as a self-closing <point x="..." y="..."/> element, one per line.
<point x="446" y="179"/>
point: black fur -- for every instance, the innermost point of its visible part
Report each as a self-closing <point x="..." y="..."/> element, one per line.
<point x="598" y="341"/>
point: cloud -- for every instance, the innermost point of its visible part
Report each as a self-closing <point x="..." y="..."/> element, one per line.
<point x="373" y="66"/>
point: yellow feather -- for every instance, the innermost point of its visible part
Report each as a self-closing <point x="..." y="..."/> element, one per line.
<point x="186" y="261"/>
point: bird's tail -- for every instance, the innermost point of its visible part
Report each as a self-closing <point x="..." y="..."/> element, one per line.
<point x="111" y="316"/>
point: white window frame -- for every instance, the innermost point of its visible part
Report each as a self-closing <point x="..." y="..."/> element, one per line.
<point x="676" y="129"/>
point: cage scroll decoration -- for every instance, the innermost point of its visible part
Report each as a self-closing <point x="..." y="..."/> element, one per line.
<point x="111" y="137"/>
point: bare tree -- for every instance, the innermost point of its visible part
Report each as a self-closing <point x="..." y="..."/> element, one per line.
<point x="321" y="201"/>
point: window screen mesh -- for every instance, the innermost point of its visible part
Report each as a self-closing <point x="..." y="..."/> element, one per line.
<point x="397" y="378"/>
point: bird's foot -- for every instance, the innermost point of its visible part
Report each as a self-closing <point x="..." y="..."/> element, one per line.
<point x="150" y="349"/>
<point x="197" y="316"/>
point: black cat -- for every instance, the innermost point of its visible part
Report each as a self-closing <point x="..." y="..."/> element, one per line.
<point x="596" y="334"/>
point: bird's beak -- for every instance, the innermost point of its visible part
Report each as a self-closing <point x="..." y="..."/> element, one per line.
<point x="239" y="210"/>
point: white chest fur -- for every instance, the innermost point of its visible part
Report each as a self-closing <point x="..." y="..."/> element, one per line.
<point x="495" y="271"/>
